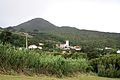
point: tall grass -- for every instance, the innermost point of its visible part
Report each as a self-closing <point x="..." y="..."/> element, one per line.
<point x="38" y="62"/>
<point x="107" y="66"/>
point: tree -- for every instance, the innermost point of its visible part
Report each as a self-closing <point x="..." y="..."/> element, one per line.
<point x="6" y="37"/>
<point x="10" y="29"/>
<point x="1" y="28"/>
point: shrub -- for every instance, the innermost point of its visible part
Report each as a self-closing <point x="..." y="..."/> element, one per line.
<point x="78" y="55"/>
<point x="38" y="62"/>
<point x="108" y="65"/>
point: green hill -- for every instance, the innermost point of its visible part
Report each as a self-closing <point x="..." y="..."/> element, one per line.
<point x="36" y="24"/>
<point x="76" y="36"/>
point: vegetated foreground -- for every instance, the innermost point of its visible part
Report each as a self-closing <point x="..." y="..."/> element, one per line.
<point x="43" y="77"/>
<point x="32" y="62"/>
<point x="51" y="60"/>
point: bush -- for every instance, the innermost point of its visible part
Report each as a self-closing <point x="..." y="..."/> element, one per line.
<point x="108" y="65"/>
<point x="38" y="62"/>
<point x="78" y="55"/>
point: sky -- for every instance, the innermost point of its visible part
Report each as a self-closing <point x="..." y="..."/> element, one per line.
<point x="100" y="15"/>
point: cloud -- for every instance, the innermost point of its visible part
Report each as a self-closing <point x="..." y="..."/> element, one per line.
<point x="102" y="15"/>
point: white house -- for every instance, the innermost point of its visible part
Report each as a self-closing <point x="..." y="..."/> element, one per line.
<point x="41" y="44"/>
<point x="108" y="48"/>
<point x="32" y="47"/>
<point x="118" y="51"/>
<point x="40" y="47"/>
<point x="77" y="48"/>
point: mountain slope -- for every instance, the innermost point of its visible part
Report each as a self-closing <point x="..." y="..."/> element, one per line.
<point x="87" y="37"/>
<point x="76" y="36"/>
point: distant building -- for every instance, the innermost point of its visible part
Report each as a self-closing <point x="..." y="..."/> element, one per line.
<point x="32" y="47"/>
<point x="77" y="48"/>
<point x="62" y="45"/>
<point x="108" y="48"/>
<point x="66" y="45"/>
<point x="40" y="48"/>
<point x="100" y="49"/>
<point x="41" y="44"/>
<point x="118" y="51"/>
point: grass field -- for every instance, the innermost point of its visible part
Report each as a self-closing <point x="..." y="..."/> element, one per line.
<point x="43" y="77"/>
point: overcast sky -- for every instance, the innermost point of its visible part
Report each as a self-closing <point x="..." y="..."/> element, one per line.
<point x="100" y="15"/>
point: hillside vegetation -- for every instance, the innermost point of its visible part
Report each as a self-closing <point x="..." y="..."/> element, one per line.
<point x="76" y="36"/>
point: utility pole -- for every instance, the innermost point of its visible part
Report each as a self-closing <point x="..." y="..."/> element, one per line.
<point x="26" y="34"/>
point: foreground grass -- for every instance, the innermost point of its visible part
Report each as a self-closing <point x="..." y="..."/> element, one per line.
<point x="43" y="77"/>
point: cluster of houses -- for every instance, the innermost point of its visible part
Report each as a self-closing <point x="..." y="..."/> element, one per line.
<point x="67" y="46"/>
<point x="61" y="46"/>
<point x="109" y="48"/>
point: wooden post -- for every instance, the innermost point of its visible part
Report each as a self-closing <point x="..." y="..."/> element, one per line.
<point x="26" y="40"/>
